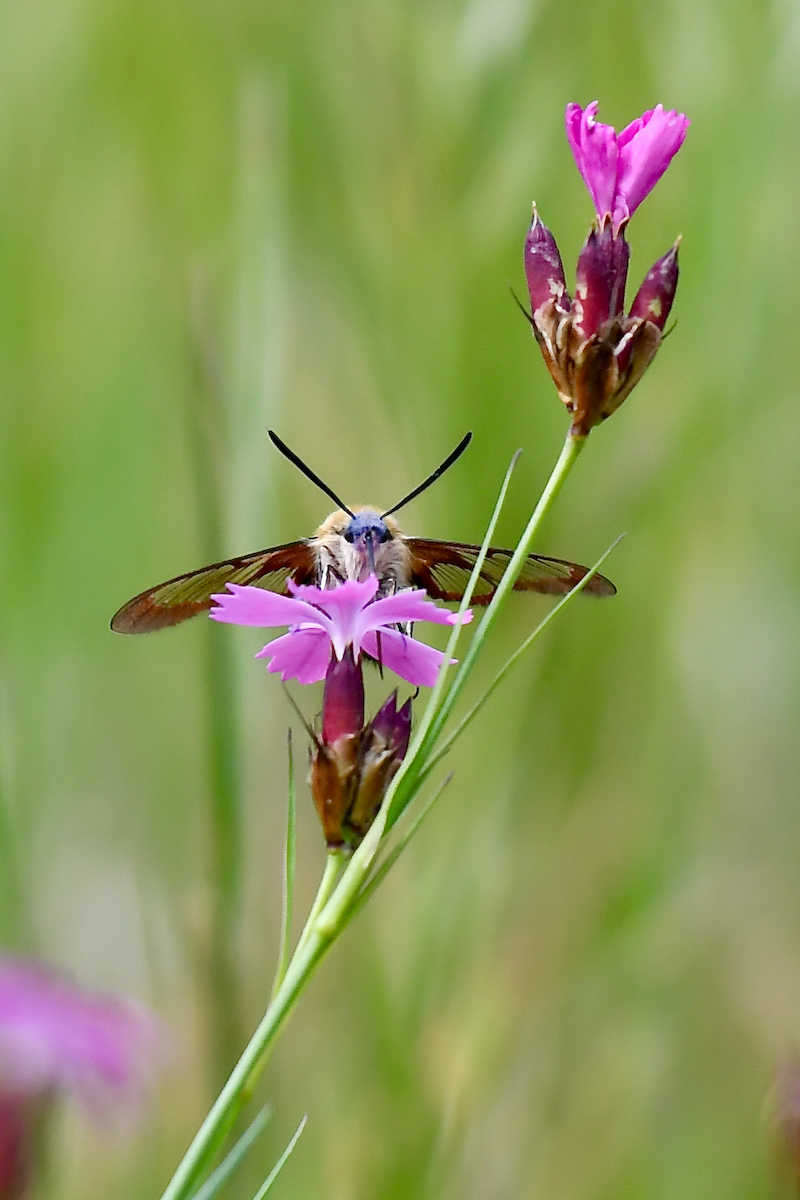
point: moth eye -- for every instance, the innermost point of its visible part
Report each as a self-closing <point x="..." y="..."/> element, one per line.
<point x="348" y="534"/>
<point x="385" y="534"/>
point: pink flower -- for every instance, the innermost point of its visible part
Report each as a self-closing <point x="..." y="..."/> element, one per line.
<point x="54" y="1037"/>
<point x="621" y="169"/>
<point x="328" y="620"/>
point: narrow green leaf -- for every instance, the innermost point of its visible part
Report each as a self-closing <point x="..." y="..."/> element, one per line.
<point x="566" y="460"/>
<point x="501" y="674"/>
<point x="231" y="1161"/>
<point x="386" y="864"/>
<point x="273" y="1175"/>
<point x="289" y="863"/>
<point x="405" y="783"/>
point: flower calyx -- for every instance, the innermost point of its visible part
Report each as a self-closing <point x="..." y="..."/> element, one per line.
<point x="594" y="351"/>
<point x="352" y="763"/>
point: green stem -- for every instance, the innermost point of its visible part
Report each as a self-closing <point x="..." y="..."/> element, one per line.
<point x="246" y="1073"/>
<point x="240" y="1086"/>
<point x="330" y="877"/>
<point x="225" y="849"/>
<point x="566" y="460"/>
<point x="289" y="865"/>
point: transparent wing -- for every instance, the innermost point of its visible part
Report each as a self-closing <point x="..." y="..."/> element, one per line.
<point x="187" y="595"/>
<point x="444" y="568"/>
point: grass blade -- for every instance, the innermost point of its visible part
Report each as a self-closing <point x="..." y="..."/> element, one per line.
<point x="501" y="674"/>
<point x="289" y="863"/>
<point x="231" y="1161"/>
<point x="273" y="1175"/>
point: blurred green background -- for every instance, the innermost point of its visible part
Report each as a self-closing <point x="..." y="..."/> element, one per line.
<point x="217" y="217"/>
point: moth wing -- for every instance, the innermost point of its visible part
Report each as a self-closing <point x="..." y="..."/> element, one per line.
<point x="187" y="595"/>
<point x="444" y="568"/>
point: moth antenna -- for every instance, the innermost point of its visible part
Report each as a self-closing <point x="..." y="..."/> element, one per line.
<point x="309" y="474"/>
<point x="448" y="462"/>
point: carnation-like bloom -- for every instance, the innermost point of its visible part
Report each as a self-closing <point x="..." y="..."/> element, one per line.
<point x="55" y="1037"/>
<point x="326" y="620"/>
<point x="620" y="169"/>
<point x="594" y="351"/>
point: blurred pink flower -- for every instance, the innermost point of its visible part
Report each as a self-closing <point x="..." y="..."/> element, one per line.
<point x="55" y="1037"/>
<point x="325" y="621"/>
<point x="620" y="169"/>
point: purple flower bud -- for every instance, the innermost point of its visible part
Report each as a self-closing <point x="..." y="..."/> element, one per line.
<point x="601" y="274"/>
<point x="383" y="722"/>
<point x="343" y="698"/>
<point x="393" y="726"/>
<point x="654" y="298"/>
<point x="402" y="731"/>
<point x="544" y="270"/>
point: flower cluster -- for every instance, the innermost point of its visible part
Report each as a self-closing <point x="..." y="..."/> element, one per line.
<point x="595" y="352"/>
<point x="352" y="762"/>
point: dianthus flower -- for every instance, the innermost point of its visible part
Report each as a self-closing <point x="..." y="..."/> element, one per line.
<point x="620" y="169"/>
<point x="324" y="621"/>
<point x="352" y="760"/>
<point x="595" y="352"/>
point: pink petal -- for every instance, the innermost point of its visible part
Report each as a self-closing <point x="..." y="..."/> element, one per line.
<point x="257" y="606"/>
<point x="647" y="147"/>
<point x="594" y="147"/>
<point x="411" y="604"/>
<point x="302" y="654"/>
<point x="352" y="593"/>
<point x="408" y="658"/>
<point x="342" y="607"/>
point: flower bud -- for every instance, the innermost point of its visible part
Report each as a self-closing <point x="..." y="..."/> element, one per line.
<point x="393" y="725"/>
<point x="547" y="286"/>
<point x="343" y="698"/>
<point x="654" y="298"/>
<point x="594" y="352"/>
<point x="383" y="749"/>
<point x="601" y="274"/>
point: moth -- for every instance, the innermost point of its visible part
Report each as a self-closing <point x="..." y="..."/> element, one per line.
<point x="349" y="544"/>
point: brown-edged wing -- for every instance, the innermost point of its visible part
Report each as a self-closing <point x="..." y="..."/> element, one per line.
<point x="444" y="568"/>
<point x="187" y="595"/>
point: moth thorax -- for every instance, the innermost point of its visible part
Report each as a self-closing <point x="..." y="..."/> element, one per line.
<point x="351" y="547"/>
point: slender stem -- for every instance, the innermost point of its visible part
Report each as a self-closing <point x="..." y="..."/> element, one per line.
<point x="289" y="862"/>
<point x="314" y="941"/>
<point x="246" y="1073"/>
<point x="334" y="863"/>
<point x="453" y="737"/>
<point x="566" y="460"/>
<point x="225" y="849"/>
